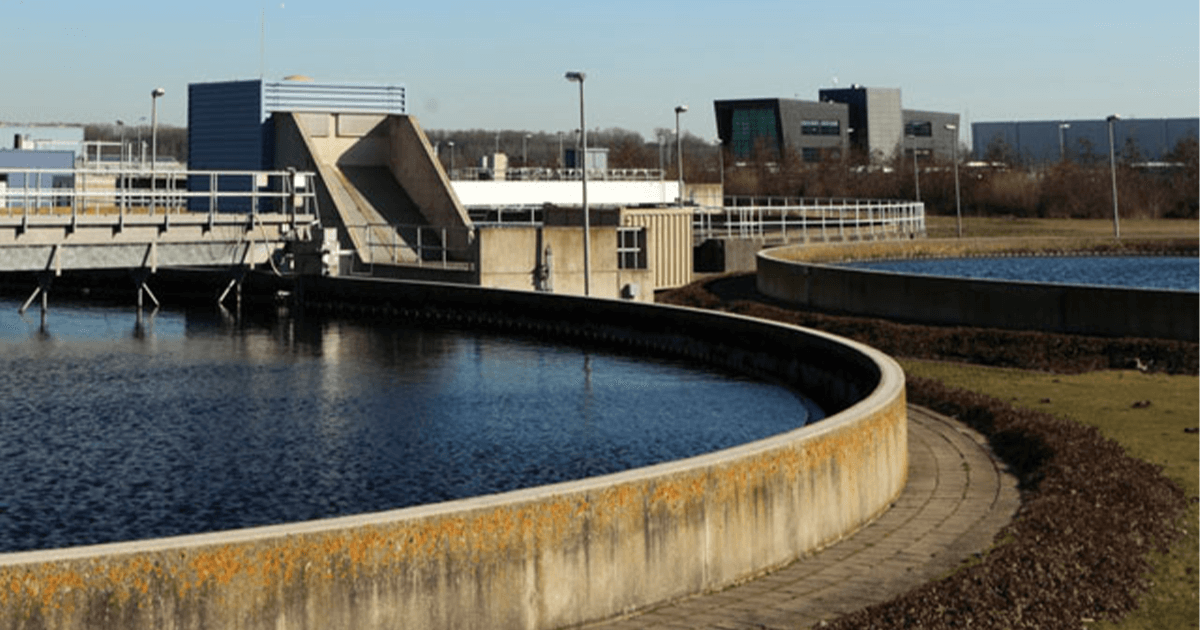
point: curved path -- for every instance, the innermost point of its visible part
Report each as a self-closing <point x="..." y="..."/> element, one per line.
<point x="957" y="498"/>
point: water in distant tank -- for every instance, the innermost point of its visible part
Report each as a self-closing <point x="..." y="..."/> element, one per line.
<point x="1176" y="273"/>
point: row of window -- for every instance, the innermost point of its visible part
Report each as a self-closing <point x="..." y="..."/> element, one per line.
<point x="918" y="128"/>
<point x="820" y="128"/>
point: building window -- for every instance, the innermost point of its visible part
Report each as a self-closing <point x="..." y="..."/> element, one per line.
<point x="811" y="154"/>
<point x="820" y="128"/>
<point x="753" y="129"/>
<point x="918" y="128"/>
<point x="631" y="248"/>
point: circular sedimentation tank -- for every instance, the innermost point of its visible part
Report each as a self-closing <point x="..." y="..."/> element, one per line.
<point x="539" y="557"/>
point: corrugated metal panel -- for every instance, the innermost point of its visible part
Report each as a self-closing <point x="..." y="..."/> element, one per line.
<point x="302" y="96"/>
<point x="670" y="242"/>
<point x="1038" y="141"/>
<point x="225" y="126"/>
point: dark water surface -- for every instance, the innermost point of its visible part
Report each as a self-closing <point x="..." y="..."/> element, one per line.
<point x="1176" y="273"/>
<point x="191" y="421"/>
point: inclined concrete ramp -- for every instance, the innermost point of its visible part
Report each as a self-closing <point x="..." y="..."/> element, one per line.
<point x="389" y="196"/>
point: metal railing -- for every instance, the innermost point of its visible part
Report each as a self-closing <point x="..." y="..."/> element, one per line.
<point x="413" y="245"/>
<point x="782" y="219"/>
<point x="515" y="214"/>
<point x="79" y="192"/>
<point x="558" y="174"/>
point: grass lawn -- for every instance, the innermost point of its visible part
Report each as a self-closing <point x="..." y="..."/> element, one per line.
<point x="993" y="227"/>
<point x="1154" y="433"/>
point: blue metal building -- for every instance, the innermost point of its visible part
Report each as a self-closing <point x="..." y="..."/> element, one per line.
<point x="1047" y="141"/>
<point x="229" y="122"/>
<point x="33" y="190"/>
<point x="230" y="126"/>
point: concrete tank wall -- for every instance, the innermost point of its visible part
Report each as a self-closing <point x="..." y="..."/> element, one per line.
<point x="1072" y="309"/>
<point x="544" y="557"/>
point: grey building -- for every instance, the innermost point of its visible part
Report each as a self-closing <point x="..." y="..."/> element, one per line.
<point x="867" y="121"/>
<point x="1048" y="141"/>
<point x="817" y="131"/>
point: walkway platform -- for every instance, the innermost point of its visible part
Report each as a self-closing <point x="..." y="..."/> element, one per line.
<point x="957" y="498"/>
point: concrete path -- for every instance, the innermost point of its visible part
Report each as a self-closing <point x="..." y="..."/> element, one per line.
<point x="958" y="496"/>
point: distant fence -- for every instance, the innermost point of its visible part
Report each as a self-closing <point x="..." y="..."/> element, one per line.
<point x="141" y="190"/>
<point x="788" y="219"/>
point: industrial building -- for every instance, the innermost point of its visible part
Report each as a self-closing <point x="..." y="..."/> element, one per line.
<point x="844" y="122"/>
<point x="395" y="211"/>
<point x="1144" y="140"/>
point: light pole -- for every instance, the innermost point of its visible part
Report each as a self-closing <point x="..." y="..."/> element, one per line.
<point x="957" y="195"/>
<point x="141" y="146"/>
<point x="1112" y="160"/>
<point x="121" y="124"/>
<point x="721" y="166"/>
<point x="916" y="171"/>
<point x="587" y="227"/>
<point x="525" y="150"/>
<point x="679" y="109"/>
<point x="451" y="145"/>
<point x="560" y="151"/>
<point x="154" y="94"/>
<point x="1062" y="142"/>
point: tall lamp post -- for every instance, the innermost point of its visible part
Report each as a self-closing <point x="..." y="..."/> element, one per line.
<point x="121" y="124"/>
<point x="525" y="150"/>
<point x="154" y="94"/>
<point x="679" y="109"/>
<point x="1062" y="140"/>
<point x="451" y="145"/>
<point x="916" y="171"/>
<point x="587" y="227"/>
<point x="957" y="194"/>
<point x="721" y="166"/>
<point x="1112" y="160"/>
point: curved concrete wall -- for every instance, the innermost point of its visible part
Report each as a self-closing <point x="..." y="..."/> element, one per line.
<point x="543" y="557"/>
<point x="1073" y="309"/>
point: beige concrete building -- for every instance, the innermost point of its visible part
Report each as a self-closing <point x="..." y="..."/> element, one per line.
<point x="397" y="215"/>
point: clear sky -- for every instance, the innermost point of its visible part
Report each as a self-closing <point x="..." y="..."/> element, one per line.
<point x="471" y="64"/>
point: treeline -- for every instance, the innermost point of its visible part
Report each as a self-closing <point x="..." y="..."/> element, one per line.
<point x="626" y="149"/>
<point x="1073" y="188"/>
<point x="1078" y="187"/>
<point x="172" y="141"/>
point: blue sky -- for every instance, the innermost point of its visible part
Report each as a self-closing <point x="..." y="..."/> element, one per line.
<point x="500" y="65"/>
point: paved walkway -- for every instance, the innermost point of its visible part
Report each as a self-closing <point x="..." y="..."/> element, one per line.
<point x="956" y="499"/>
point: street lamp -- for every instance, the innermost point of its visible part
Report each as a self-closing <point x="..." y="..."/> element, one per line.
<point x="525" y="150"/>
<point x="1062" y="143"/>
<point x="1112" y="160"/>
<point x="451" y="145"/>
<point x="560" y="152"/>
<point x="587" y="227"/>
<point x="154" y="94"/>
<point x="916" y="171"/>
<point x="121" y="124"/>
<point x="957" y="195"/>
<point x="679" y="109"/>
<point x="721" y="166"/>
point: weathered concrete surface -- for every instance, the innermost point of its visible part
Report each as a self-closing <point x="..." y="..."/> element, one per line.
<point x="539" y="558"/>
<point x="958" y="498"/>
<point x="1071" y="309"/>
